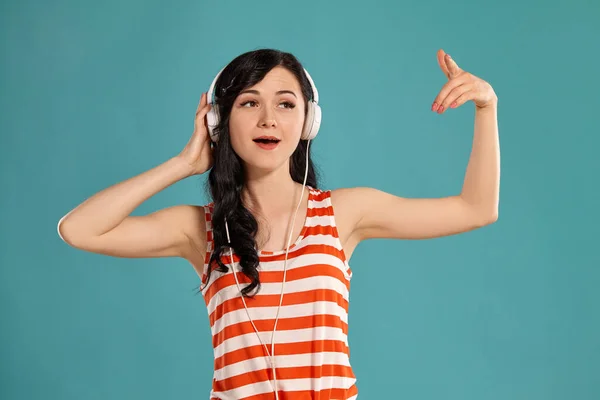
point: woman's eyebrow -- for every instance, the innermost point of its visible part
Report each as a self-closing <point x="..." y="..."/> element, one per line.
<point x="257" y="92"/>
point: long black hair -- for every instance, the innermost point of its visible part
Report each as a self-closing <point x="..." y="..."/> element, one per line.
<point x="226" y="177"/>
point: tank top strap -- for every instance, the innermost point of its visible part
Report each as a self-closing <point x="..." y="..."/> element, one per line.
<point x="208" y="210"/>
<point x="311" y="195"/>
<point x="322" y="200"/>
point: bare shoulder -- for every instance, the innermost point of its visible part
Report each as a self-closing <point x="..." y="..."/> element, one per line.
<point x="192" y="220"/>
<point x="347" y="217"/>
<point x="343" y="201"/>
<point x="347" y="203"/>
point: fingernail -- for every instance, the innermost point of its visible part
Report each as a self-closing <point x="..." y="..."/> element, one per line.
<point x="441" y="110"/>
<point x="434" y="107"/>
<point x="453" y="105"/>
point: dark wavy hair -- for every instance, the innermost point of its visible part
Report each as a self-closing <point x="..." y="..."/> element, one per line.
<point x="226" y="177"/>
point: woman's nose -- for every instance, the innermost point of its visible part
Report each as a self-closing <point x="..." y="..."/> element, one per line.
<point x="268" y="122"/>
<point x="267" y="119"/>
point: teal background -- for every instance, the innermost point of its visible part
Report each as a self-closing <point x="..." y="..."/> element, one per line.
<point x="95" y="92"/>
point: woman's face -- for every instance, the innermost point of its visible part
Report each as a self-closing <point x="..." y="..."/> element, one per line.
<point x="272" y="108"/>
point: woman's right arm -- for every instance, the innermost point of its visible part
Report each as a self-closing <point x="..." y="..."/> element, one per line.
<point x="103" y="224"/>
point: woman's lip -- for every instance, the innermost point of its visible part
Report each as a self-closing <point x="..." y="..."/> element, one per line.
<point x="267" y="146"/>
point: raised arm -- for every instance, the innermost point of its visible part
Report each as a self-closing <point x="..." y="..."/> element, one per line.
<point x="375" y="214"/>
<point x="103" y="224"/>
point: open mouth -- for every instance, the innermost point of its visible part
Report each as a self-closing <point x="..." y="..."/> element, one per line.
<point x="267" y="142"/>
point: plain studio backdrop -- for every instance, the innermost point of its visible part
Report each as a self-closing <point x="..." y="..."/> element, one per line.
<point x="93" y="93"/>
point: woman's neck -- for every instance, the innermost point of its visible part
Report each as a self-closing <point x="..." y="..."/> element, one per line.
<point x="271" y="193"/>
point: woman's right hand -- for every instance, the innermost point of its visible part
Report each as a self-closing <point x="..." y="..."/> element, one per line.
<point x="198" y="152"/>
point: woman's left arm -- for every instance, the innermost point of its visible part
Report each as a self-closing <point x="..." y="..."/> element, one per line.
<point x="376" y="214"/>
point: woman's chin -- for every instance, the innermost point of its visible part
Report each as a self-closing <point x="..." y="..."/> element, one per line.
<point x="264" y="164"/>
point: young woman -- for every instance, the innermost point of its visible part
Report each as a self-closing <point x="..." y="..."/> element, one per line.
<point x="288" y="241"/>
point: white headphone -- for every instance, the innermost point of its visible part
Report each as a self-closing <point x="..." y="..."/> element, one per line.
<point x="309" y="132"/>
<point x="311" y="123"/>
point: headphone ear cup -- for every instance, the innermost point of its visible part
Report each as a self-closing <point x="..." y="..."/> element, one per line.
<point x="212" y="120"/>
<point x="312" y="121"/>
<point x="308" y="120"/>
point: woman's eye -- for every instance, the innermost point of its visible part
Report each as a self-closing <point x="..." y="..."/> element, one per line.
<point x="289" y="105"/>
<point x="246" y="102"/>
<point x="252" y="103"/>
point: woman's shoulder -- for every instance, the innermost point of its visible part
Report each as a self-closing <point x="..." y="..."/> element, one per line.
<point x="344" y="202"/>
<point x="193" y="220"/>
<point x="341" y="198"/>
<point x="189" y="222"/>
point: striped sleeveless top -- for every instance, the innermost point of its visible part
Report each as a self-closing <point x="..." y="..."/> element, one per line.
<point x="312" y="355"/>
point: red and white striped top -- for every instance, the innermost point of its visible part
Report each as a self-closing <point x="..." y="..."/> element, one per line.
<point x="311" y="342"/>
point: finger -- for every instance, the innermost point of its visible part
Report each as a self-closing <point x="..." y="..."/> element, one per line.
<point x="446" y="89"/>
<point x="202" y="112"/>
<point x="202" y="103"/>
<point x="442" y="63"/>
<point x="455" y="94"/>
<point x="452" y="66"/>
<point x="200" y="120"/>
<point x="462" y="99"/>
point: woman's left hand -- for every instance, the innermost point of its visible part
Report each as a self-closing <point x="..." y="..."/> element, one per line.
<point x="461" y="87"/>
